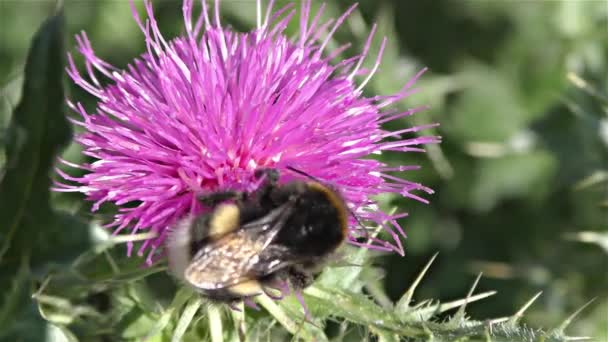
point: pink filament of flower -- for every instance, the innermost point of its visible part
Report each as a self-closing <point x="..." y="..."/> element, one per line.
<point x="200" y="113"/>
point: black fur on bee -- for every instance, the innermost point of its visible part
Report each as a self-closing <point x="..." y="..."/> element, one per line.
<point x="281" y="232"/>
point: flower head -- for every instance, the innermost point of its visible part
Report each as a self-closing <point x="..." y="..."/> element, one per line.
<point x="201" y="112"/>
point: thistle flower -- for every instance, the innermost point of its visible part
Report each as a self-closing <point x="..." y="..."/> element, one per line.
<point x="201" y="112"/>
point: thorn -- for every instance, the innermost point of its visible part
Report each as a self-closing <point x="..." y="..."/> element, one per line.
<point x="580" y="83"/>
<point x="42" y="287"/>
<point x="489" y="326"/>
<point x="488" y="333"/>
<point x="454" y="304"/>
<point x="567" y="321"/>
<point x="404" y="303"/>
<point x="520" y="313"/>
<point x="117" y="239"/>
<point x="440" y="308"/>
<point x="425" y="302"/>
<point x="579" y="338"/>
<point x="459" y="316"/>
<point x="498" y="320"/>
<point x="423" y="309"/>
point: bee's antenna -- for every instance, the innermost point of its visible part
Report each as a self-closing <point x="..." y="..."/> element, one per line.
<point x="291" y="168"/>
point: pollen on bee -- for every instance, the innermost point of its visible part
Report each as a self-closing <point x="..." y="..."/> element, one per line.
<point x="247" y="288"/>
<point x="225" y="219"/>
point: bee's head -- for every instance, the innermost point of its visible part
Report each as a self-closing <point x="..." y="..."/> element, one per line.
<point x="271" y="176"/>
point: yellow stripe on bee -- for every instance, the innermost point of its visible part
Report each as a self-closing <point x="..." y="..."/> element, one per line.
<point x="336" y="200"/>
<point x="246" y="289"/>
<point x="224" y="219"/>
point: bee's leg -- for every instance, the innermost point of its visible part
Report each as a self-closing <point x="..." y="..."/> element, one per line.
<point x="276" y="291"/>
<point x="213" y="199"/>
<point x="300" y="277"/>
<point x="269" y="182"/>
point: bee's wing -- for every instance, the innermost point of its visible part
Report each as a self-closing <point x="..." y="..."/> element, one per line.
<point x="234" y="258"/>
<point x="272" y="259"/>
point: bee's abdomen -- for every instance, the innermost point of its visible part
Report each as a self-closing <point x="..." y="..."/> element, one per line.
<point x="318" y="225"/>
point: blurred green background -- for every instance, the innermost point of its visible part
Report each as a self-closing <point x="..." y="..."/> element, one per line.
<point x="521" y="91"/>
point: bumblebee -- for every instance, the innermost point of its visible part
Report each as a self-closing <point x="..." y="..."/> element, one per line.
<point x="249" y="241"/>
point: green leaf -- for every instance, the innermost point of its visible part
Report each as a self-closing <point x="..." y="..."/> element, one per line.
<point x="526" y="175"/>
<point x="482" y="109"/>
<point x="186" y="318"/>
<point x="180" y="299"/>
<point x="37" y="132"/>
<point x="13" y="296"/>
<point x="598" y="238"/>
<point x="59" y="334"/>
<point x="9" y="96"/>
<point x="297" y="325"/>
<point x="594" y="179"/>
